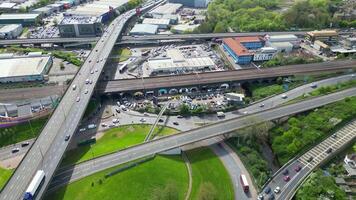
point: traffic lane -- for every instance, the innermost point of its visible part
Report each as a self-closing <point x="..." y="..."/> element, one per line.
<point x="289" y="187"/>
<point x="6" y="152"/>
<point x="213" y="130"/>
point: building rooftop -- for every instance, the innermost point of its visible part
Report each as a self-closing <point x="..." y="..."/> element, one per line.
<point x="19" y="16"/>
<point x="43" y="9"/>
<point x="176" y="55"/>
<point x="235" y="46"/>
<point x="321" y="44"/>
<point x="12" y="67"/>
<point x="281" y="44"/>
<point x="156" y="21"/>
<point x="323" y="33"/>
<point x="168" y="8"/>
<point x="8" y="28"/>
<point x="79" y="20"/>
<point x="248" y="39"/>
<point x="144" y="28"/>
<point x="7" y="5"/>
<point x="168" y="63"/>
<point x="281" y="37"/>
<point x="96" y="8"/>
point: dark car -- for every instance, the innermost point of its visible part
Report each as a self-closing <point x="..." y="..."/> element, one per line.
<point x="176" y="123"/>
<point x="15" y="150"/>
<point x="67" y="138"/>
<point x="117" y="110"/>
<point x="25" y="144"/>
<point x="285" y="172"/>
<point x="267" y="190"/>
<point x="286" y="178"/>
<point x="297" y="168"/>
<point x="271" y="197"/>
<point x="310" y="159"/>
<point x="160" y="120"/>
<point x="329" y="150"/>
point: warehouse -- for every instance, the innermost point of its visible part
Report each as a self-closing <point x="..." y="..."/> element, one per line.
<point x="175" y="61"/>
<point x="161" y="23"/>
<point x="21" y="69"/>
<point x="192" y="3"/>
<point x="282" y="38"/>
<point x="80" y="26"/>
<point x="144" y="29"/>
<point x="44" y="11"/>
<point x="324" y="36"/>
<point x="26" y="19"/>
<point x="237" y="51"/>
<point x="166" y="9"/>
<point x="10" y="31"/>
<point x="265" y="53"/>
<point x="56" y="7"/>
<point x="282" y="47"/>
<point x="7" y="6"/>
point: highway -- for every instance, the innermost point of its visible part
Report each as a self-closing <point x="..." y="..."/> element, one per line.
<point x="83" y="40"/>
<point x="345" y="136"/>
<point x="47" y="151"/>
<point x="72" y="173"/>
<point x="221" y="77"/>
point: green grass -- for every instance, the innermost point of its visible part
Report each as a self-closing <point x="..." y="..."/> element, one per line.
<point x="21" y="132"/>
<point x="113" y="140"/>
<point x="124" y="54"/>
<point x="146" y="181"/>
<point x="4" y="176"/>
<point x="210" y="177"/>
<point x="91" y="107"/>
<point x="263" y="91"/>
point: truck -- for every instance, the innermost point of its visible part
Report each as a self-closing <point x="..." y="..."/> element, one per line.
<point x="91" y="126"/>
<point x="35" y="184"/>
<point x="244" y="183"/>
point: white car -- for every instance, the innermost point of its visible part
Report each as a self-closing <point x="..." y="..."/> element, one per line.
<point x="284" y="96"/>
<point x="277" y="190"/>
<point x="78" y="99"/>
<point x="92" y="72"/>
<point x="313" y="85"/>
<point x="74" y="87"/>
<point x="86" y="91"/>
<point x="115" y="121"/>
<point x="91" y="82"/>
<point x="87" y="81"/>
<point x="142" y="120"/>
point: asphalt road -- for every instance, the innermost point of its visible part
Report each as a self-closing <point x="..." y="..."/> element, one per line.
<point x="221" y="77"/>
<point x="72" y="173"/>
<point x="319" y="154"/>
<point x="8" y="95"/>
<point x="47" y="151"/>
<point x="88" y="40"/>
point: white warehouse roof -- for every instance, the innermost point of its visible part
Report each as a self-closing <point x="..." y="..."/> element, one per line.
<point x="144" y="29"/>
<point x="168" y="8"/>
<point x="10" y="27"/>
<point x="97" y="8"/>
<point x="22" y="66"/>
<point x="168" y="64"/>
<point x="7" y="5"/>
<point x="160" y="21"/>
<point x="19" y="16"/>
<point x="282" y="38"/>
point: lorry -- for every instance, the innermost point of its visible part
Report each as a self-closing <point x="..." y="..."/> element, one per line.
<point x="35" y="184"/>
<point x="244" y="183"/>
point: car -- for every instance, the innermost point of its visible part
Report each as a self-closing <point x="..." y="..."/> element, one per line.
<point x="74" y="87"/>
<point x="285" y="172"/>
<point x="271" y="197"/>
<point x="91" y="82"/>
<point x="260" y="197"/>
<point x="267" y="190"/>
<point x="245" y="112"/>
<point x="142" y="120"/>
<point x="104" y="125"/>
<point x="25" y="144"/>
<point x="284" y="96"/>
<point x="92" y="72"/>
<point x="86" y="91"/>
<point x="15" y="150"/>
<point x="313" y="85"/>
<point x="96" y="50"/>
<point x="329" y="150"/>
<point x="78" y="99"/>
<point x="175" y="123"/>
<point x="262" y="105"/>
<point x="67" y="138"/>
<point x="310" y="159"/>
<point x="96" y="70"/>
<point x="277" y="190"/>
<point x="145" y="114"/>
<point x="297" y="168"/>
<point x="334" y="136"/>
<point x="117" y="110"/>
<point x="115" y="121"/>
<point x="97" y="61"/>
<point x="160" y="120"/>
<point x="179" y="116"/>
<point x="89" y="61"/>
<point x="286" y="178"/>
<point x="82" y="129"/>
<point x="87" y="81"/>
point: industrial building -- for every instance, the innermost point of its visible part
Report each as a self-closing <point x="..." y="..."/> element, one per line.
<point x="166" y="9"/>
<point x="251" y="42"/>
<point x="21" y="69"/>
<point x="44" y="11"/>
<point x="56" y="7"/>
<point x="26" y="19"/>
<point x="181" y="28"/>
<point x="192" y="3"/>
<point x="161" y="23"/>
<point x="175" y="61"/>
<point x="80" y="26"/>
<point x="144" y="29"/>
<point x="350" y="43"/>
<point x="10" y="31"/>
<point x="324" y="36"/>
<point x="265" y="53"/>
<point x="7" y="6"/>
<point x="237" y="51"/>
<point x="281" y="47"/>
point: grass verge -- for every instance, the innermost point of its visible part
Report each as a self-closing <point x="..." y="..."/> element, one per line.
<point x="210" y="178"/>
<point x="21" y="132"/>
<point x="4" y="176"/>
<point x="164" y="177"/>
<point x="113" y="140"/>
<point x="124" y="54"/>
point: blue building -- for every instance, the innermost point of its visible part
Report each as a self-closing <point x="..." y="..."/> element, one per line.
<point x="252" y="42"/>
<point x="237" y="51"/>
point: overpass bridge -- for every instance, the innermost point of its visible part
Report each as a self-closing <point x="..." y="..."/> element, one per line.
<point x="191" y="82"/>
<point x="47" y="151"/>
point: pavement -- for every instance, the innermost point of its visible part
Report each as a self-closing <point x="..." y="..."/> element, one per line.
<point x="72" y="173"/>
<point x="318" y="153"/>
<point x="48" y="149"/>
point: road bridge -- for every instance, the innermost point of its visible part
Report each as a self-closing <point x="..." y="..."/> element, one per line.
<point x="202" y="79"/>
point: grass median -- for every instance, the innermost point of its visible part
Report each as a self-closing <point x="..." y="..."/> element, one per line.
<point x="113" y="140"/>
<point x="4" y="176"/>
<point x="164" y="177"/>
<point x="210" y="178"/>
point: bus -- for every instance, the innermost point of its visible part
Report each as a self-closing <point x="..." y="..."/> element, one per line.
<point x="244" y="183"/>
<point x="123" y="68"/>
<point x="36" y="182"/>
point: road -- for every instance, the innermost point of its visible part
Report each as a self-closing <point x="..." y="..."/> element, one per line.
<point x="8" y="95"/>
<point x="221" y="77"/>
<point x="345" y="136"/>
<point x="82" y="40"/>
<point x="48" y="149"/>
<point x="72" y="173"/>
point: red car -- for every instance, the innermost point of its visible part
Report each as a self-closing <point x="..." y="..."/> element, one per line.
<point x="297" y="168"/>
<point x="286" y="178"/>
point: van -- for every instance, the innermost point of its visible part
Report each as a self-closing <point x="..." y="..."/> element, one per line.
<point x="91" y="126"/>
<point x="220" y="114"/>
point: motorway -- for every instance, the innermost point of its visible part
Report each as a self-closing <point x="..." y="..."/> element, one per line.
<point x="221" y="77"/>
<point x="48" y="149"/>
<point x="9" y="95"/>
<point x="83" y="40"/>
<point x="345" y="136"/>
<point x="72" y="173"/>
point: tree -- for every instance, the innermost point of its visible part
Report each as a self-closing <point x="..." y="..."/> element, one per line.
<point x="207" y="191"/>
<point x="184" y="109"/>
